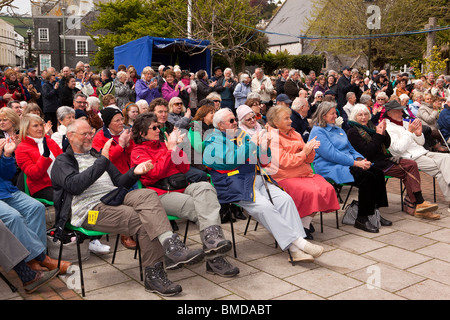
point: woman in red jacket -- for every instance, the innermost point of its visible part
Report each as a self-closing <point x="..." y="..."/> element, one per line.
<point x="35" y="155"/>
<point x="196" y="201"/>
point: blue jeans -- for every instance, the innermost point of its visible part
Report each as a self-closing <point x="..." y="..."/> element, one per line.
<point x="25" y="218"/>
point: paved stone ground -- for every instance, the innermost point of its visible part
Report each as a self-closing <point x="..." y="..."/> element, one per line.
<point x="408" y="261"/>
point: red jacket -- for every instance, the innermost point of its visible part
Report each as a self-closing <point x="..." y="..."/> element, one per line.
<point x="119" y="156"/>
<point x="162" y="161"/>
<point x="34" y="165"/>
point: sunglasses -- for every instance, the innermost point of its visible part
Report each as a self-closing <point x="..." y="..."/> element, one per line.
<point x="232" y="120"/>
<point x="178" y="104"/>
<point x="155" y="127"/>
<point x="216" y="101"/>
<point x="250" y="119"/>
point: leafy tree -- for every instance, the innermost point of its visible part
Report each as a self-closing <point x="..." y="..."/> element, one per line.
<point x="223" y="23"/>
<point x="125" y="21"/>
<point x="348" y="18"/>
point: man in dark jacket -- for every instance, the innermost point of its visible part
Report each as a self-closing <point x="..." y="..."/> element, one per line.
<point x="82" y="178"/>
<point x="346" y="84"/>
<point x="37" y="84"/>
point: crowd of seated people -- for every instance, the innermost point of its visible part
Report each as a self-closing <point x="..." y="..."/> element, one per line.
<point x="197" y="143"/>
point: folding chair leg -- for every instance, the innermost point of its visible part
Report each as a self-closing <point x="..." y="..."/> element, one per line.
<point x="321" y="222"/>
<point x="434" y="189"/>
<point x="10" y="285"/>
<point x="337" y="220"/>
<point x="248" y="223"/>
<point x="80" y="264"/>
<point x="290" y="257"/>
<point x="115" y="249"/>
<point x="186" y="232"/>
<point x="138" y="249"/>
<point x="346" y="199"/>
<point x="232" y="233"/>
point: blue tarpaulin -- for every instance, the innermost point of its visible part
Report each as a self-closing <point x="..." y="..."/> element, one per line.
<point x="189" y="54"/>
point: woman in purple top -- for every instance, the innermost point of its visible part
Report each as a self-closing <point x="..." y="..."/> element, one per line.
<point x="146" y="87"/>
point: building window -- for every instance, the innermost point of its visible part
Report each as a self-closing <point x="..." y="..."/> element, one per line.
<point x="43" y="34"/>
<point x="45" y="61"/>
<point x="81" y="48"/>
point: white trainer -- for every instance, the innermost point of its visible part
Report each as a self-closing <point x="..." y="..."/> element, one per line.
<point x="96" y="247"/>
<point x="313" y="249"/>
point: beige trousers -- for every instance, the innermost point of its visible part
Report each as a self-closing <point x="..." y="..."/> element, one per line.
<point x="141" y="213"/>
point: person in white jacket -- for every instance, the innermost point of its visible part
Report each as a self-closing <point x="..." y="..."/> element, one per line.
<point x="262" y="85"/>
<point x="407" y="142"/>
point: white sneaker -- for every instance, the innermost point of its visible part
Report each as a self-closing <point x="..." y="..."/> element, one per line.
<point x="97" y="247"/>
<point x="300" y="256"/>
<point x="313" y="249"/>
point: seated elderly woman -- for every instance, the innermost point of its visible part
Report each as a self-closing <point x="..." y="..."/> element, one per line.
<point x="179" y="116"/>
<point x="429" y="113"/>
<point x="65" y="116"/>
<point x="336" y="159"/>
<point x="35" y="155"/>
<point x="142" y="105"/>
<point x="407" y="141"/>
<point x="247" y="120"/>
<point x="232" y="157"/>
<point x="373" y="142"/>
<point x="170" y="88"/>
<point x="146" y="87"/>
<point x="256" y="105"/>
<point x="291" y="168"/>
<point x="196" y="202"/>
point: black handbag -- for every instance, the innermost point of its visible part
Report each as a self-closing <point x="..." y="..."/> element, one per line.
<point x="114" y="197"/>
<point x="174" y="182"/>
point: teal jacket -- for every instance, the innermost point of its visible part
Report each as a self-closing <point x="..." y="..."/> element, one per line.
<point x="233" y="165"/>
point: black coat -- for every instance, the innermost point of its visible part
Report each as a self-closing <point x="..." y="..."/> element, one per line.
<point x="50" y="98"/>
<point x="67" y="95"/>
<point x="344" y="86"/>
<point x="371" y="150"/>
<point x="67" y="181"/>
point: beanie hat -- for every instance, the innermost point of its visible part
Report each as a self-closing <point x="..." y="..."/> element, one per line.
<point x="80" y="113"/>
<point x="242" y="111"/>
<point x="108" y="113"/>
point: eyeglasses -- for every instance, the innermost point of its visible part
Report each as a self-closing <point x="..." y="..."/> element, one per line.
<point x="155" y="127"/>
<point x="250" y="119"/>
<point x="380" y="99"/>
<point x="81" y="102"/>
<point x="85" y="134"/>
<point x="232" y="120"/>
<point x="217" y="101"/>
<point x="178" y="103"/>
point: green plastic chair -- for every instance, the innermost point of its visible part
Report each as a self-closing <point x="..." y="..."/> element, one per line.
<point x="45" y="202"/>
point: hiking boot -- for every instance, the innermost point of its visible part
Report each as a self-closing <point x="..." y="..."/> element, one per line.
<point x="426" y="207"/>
<point x="221" y="267"/>
<point x="214" y="240"/>
<point x="156" y="281"/>
<point x="177" y="254"/>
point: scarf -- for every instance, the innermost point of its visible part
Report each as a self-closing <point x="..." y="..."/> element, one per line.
<point x="399" y="123"/>
<point x="40" y="144"/>
<point x="366" y="132"/>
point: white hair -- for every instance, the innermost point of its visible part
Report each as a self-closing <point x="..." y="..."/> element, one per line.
<point x="298" y="103"/>
<point x="403" y="96"/>
<point x="93" y="101"/>
<point x="142" y="103"/>
<point x="219" y="116"/>
<point x="359" y="107"/>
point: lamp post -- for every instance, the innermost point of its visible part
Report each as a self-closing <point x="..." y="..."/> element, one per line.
<point x="29" y="33"/>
